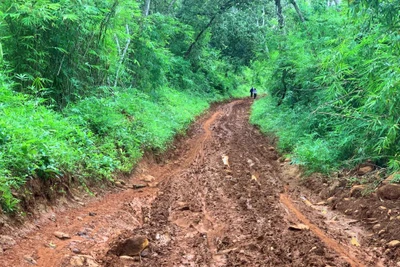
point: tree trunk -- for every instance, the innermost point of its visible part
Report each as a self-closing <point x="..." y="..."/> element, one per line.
<point x="122" y="56"/>
<point x="279" y="13"/>
<point x="170" y="6"/>
<point x="199" y="35"/>
<point x="146" y="8"/>
<point x="293" y="2"/>
<point x="284" y="73"/>
<point x="263" y="16"/>
<point x="224" y="7"/>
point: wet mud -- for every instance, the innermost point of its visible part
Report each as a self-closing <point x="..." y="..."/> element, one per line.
<point x="220" y="198"/>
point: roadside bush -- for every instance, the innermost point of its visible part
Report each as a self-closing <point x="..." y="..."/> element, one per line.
<point x="93" y="139"/>
<point x="334" y="99"/>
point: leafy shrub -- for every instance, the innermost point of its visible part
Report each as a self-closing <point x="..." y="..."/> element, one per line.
<point x="334" y="98"/>
<point x="94" y="139"/>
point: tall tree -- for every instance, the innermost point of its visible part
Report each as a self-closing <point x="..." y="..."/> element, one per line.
<point x="279" y="13"/>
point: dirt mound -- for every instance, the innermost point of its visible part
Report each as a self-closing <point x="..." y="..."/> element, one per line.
<point x="375" y="209"/>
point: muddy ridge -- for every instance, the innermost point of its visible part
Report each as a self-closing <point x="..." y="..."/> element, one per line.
<point x="222" y="198"/>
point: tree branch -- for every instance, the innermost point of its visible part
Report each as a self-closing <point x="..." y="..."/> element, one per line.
<point x="298" y="11"/>
<point x="121" y="60"/>
<point x="223" y="8"/>
<point x="279" y="13"/>
<point x="146" y="8"/>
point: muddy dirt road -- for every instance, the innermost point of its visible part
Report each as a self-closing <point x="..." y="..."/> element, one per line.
<point x="220" y="198"/>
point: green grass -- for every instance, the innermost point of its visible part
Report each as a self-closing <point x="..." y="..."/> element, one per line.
<point x="297" y="137"/>
<point x="92" y="140"/>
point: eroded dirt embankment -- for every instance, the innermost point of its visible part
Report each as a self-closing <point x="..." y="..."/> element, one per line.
<point x="219" y="200"/>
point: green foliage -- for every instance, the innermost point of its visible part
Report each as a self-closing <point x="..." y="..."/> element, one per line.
<point x="100" y="82"/>
<point x="94" y="139"/>
<point x="334" y="84"/>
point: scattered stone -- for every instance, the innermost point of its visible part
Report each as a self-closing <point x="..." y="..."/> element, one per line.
<point x="299" y="227"/>
<point x="389" y="191"/>
<point x="118" y="184"/>
<point x="381" y="232"/>
<point x="356" y="190"/>
<point x="61" y="235"/>
<point x="306" y="201"/>
<point x="53" y="218"/>
<point x="122" y="182"/>
<point x="52" y="245"/>
<point x="91" y="263"/>
<point x="331" y="200"/>
<point x="182" y="206"/>
<point x="138" y="186"/>
<point x="376" y="227"/>
<point x="288" y="160"/>
<point x="348" y="212"/>
<point x="354" y="241"/>
<point x="321" y="203"/>
<point x="6" y="242"/>
<point x="127" y="258"/>
<point x="132" y="246"/>
<point x="382" y="208"/>
<point x="148" y="179"/>
<point x="152" y="185"/>
<point x="77" y="261"/>
<point x="30" y="260"/>
<point x="83" y="260"/>
<point x="393" y="243"/>
<point x="371" y="220"/>
<point x="390" y="178"/>
<point x="334" y="186"/>
<point x="145" y="253"/>
<point x="364" y="170"/>
<point x="190" y="257"/>
<point x="79" y="218"/>
<point x="82" y="233"/>
<point x="225" y="160"/>
<point x="271" y="148"/>
<point x="92" y="213"/>
<point x="76" y="250"/>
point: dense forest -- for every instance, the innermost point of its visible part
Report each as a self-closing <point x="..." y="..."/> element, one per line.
<point x="88" y="86"/>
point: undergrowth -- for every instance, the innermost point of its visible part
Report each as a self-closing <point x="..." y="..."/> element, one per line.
<point x="92" y="139"/>
<point x="333" y="85"/>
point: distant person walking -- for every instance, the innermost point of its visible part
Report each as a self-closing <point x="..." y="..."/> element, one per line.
<point x="251" y="92"/>
<point x="254" y="93"/>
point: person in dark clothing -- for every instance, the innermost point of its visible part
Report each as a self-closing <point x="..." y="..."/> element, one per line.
<point x="251" y="92"/>
<point x="254" y="93"/>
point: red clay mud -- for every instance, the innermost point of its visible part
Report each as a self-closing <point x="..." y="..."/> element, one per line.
<point x="216" y="200"/>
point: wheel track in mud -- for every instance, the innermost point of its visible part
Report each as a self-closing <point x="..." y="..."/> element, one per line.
<point x="203" y="213"/>
<point x="209" y="230"/>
